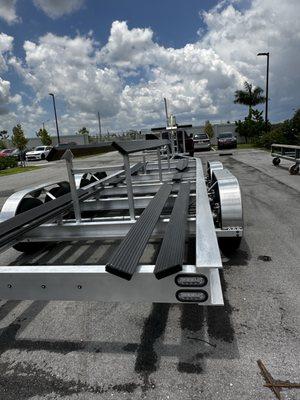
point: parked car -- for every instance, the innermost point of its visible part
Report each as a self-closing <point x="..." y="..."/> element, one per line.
<point x="227" y="140"/>
<point x="20" y="155"/>
<point x="6" y="152"/>
<point x="201" y="141"/>
<point x="39" y="153"/>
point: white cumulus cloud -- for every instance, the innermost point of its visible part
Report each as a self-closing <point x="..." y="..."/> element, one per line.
<point x="6" y="45"/>
<point x="67" y="67"/>
<point x="58" y="8"/>
<point x="8" y="11"/>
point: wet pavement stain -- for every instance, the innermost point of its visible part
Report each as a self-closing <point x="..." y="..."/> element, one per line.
<point x="24" y="382"/>
<point x="147" y="360"/>
<point x="218" y="318"/>
<point x="191" y="323"/>
<point x="240" y="257"/>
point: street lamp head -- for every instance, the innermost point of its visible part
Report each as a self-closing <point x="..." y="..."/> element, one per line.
<point x="262" y="54"/>
<point x="51" y="94"/>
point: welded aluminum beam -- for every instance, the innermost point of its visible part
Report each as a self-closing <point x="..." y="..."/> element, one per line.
<point x="108" y="229"/>
<point x="167" y="176"/>
<point x="93" y="283"/>
<point x="140" y="189"/>
<point x="207" y="249"/>
<point x="121" y="203"/>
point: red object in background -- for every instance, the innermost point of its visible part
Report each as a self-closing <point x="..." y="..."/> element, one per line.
<point x="6" y="152"/>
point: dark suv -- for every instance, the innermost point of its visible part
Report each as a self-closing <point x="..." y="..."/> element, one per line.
<point x="227" y="140"/>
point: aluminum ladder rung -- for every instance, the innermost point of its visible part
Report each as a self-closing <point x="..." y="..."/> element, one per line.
<point x="171" y="254"/>
<point x="124" y="261"/>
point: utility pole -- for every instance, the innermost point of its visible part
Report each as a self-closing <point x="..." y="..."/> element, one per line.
<point x="57" y="131"/>
<point x="99" y="122"/>
<point x="166" y="111"/>
<point x="267" y="88"/>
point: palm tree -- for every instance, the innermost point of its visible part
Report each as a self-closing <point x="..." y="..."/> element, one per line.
<point x="249" y="97"/>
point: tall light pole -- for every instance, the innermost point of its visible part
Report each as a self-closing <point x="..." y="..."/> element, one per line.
<point x="267" y="87"/>
<point x="57" y="131"/>
<point x="166" y="111"/>
<point x="99" y="122"/>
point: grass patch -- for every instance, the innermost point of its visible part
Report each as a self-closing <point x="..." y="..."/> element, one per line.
<point x="17" y="170"/>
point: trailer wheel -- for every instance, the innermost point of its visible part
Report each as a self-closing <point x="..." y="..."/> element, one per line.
<point x="276" y="161"/>
<point x="99" y="175"/>
<point x="229" y="245"/>
<point x="84" y="182"/>
<point x="294" y="169"/>
<point x="27" y="204"/>
<point x="57" y="192"/>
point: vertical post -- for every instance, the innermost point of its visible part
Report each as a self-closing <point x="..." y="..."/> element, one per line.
<point x="129" y="186"/>
<point x="267" y="88"/>
<point x="144" y="161"/>
<point x="168" y="158"/>
<point x="166" y="111"/>
<point x="183" y="141"/>
<point x="54" y="106"/>
<point x="159" y="164"/>
<point x="68" y="156"/>
<point x="267" y="92"/>
<point x="99" y="123"/>
<point x="172" y="142"/>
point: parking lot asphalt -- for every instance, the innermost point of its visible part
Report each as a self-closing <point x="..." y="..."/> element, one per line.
<point x="92" y="350"/>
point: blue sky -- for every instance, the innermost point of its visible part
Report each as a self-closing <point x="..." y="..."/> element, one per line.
<point x="196" y="53"/>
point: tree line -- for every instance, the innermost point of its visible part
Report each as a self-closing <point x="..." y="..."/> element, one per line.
<point x="254" y="129"/>
<point x="19" y="140"/>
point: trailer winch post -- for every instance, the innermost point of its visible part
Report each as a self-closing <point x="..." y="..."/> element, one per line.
<point x="183" y="142"/>
<point x="68" y="156"/>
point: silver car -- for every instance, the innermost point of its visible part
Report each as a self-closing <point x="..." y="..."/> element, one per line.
<point x="201" y="141"/>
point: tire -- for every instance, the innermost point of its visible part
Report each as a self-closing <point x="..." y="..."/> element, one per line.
<point x="276" y="161"/>
<point x="84" y="182"/>
<point x="99" y="175"/>
<point x="25" y="205"/>
<point x="57" y="192"/>
<point x="294" y="169"/>
<point x="43" y="156"/>
<point x="229" y="245"/>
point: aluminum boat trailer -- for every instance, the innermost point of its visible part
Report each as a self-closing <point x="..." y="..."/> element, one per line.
<point x="168" y="199"/>
<point x="286" y="152"/>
